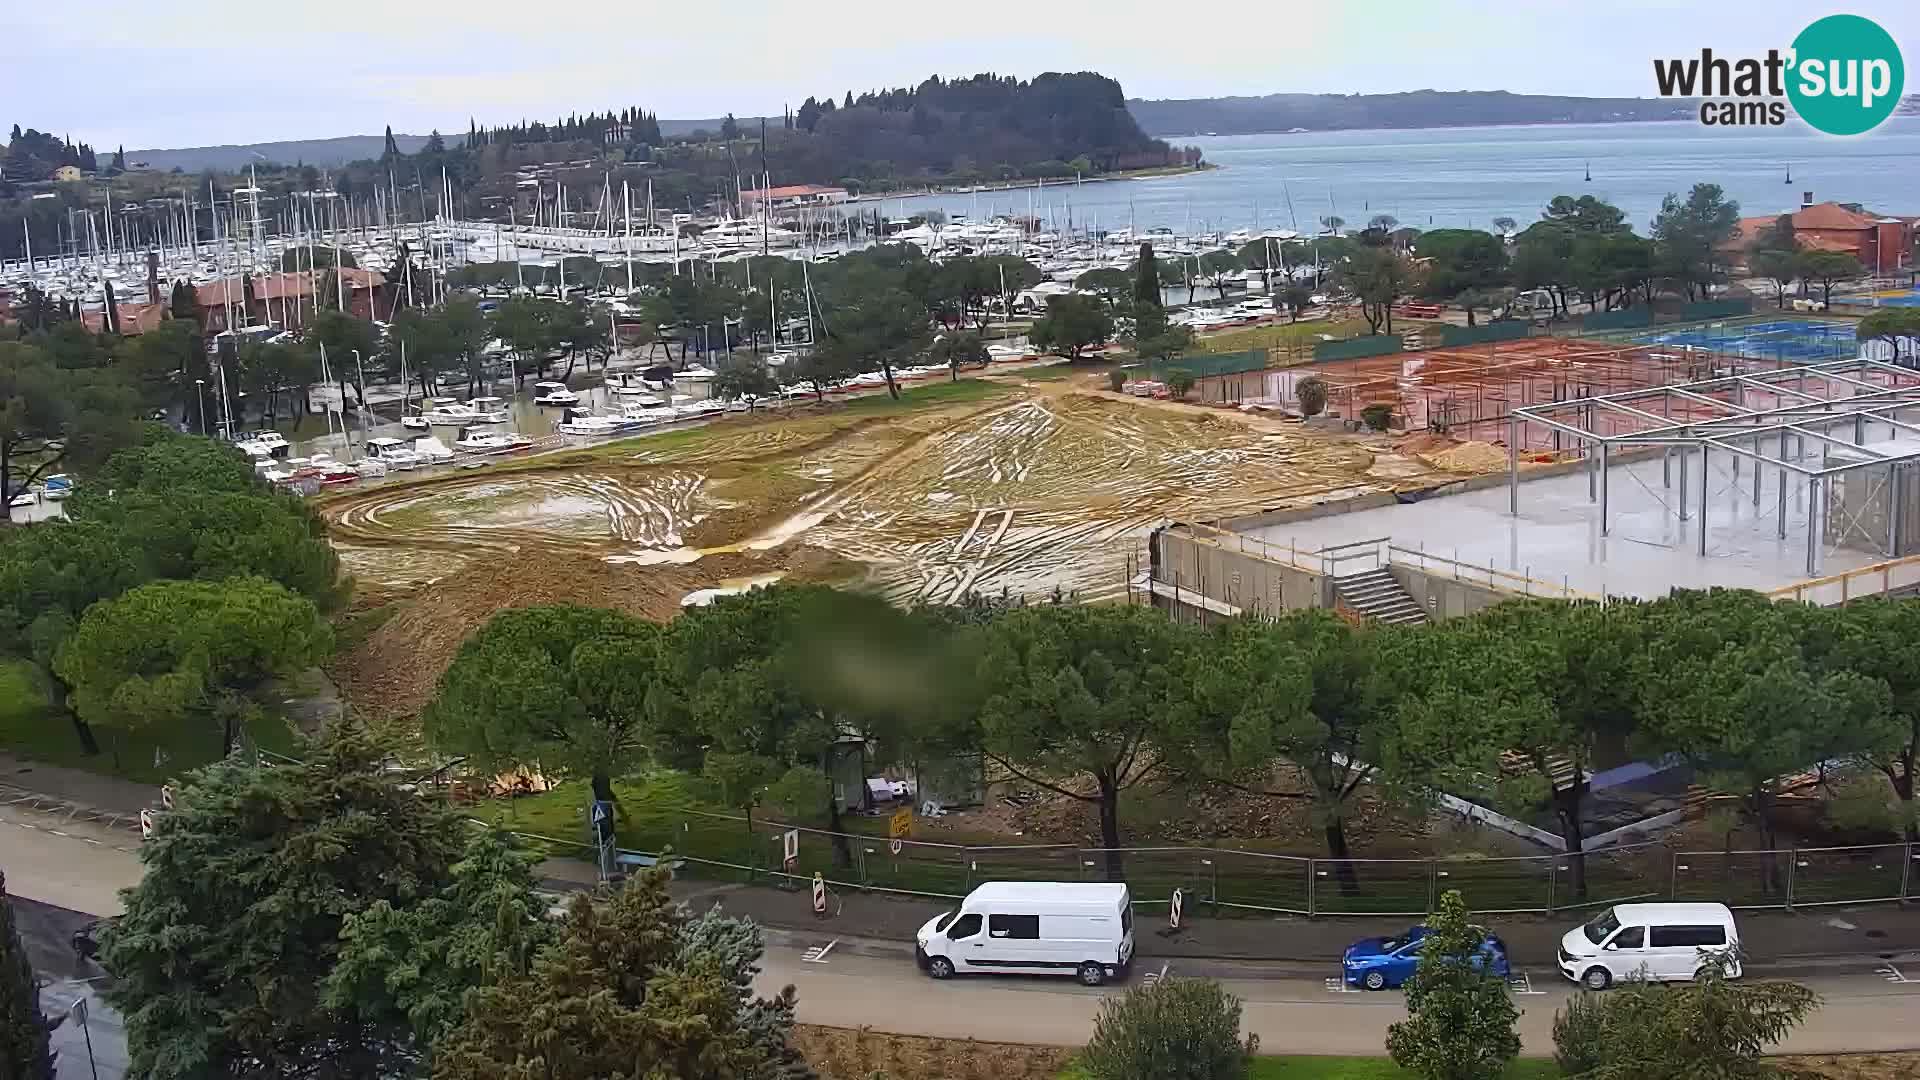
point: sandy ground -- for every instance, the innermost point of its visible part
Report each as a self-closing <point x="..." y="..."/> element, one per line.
<point x="1051" y="487"/>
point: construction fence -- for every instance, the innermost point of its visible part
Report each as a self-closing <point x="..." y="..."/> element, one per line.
<point x="1230" y="880"/>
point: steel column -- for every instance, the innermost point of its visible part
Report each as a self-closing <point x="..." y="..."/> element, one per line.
<point x="1705" y="474"/>
<point x="1783" y="486"/>
<point x="1893" y="511"/>
<point x="1603" y="489"/>
<point x="1813" y="525"/>
<point x="1513" y="466"/>
<point x="1682" y="454"/>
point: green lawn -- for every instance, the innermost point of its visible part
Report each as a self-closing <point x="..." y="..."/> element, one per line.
<point x="1352" y="1068"/>
<point x="30" y="729"/>
<point x="929" y="393"/>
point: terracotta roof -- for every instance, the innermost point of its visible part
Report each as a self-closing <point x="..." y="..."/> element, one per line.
<point x="789" y="192"/>
<point x="1828" y="215"/>
<point x="281" y="286"/>
<point x="135" y="318"/>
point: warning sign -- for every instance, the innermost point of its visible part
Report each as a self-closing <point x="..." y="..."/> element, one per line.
<point x="901" y="824"/>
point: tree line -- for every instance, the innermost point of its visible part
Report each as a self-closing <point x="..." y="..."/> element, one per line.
<point x="1096" y="703"/>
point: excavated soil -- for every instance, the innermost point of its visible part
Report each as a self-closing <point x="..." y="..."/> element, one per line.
<point x="1046" y="489"/>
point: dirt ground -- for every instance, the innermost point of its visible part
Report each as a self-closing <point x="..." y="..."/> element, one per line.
<point x="844" y="1054"/>
<point x="1050" y="486"/>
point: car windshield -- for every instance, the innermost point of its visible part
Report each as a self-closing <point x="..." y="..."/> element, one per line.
<point x="945" y="920"/>
<point x="1601" y="926"/>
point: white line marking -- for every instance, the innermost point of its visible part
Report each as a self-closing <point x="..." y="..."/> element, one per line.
<point x="1892" y="974"/>
<point x="1338" y="985"/>
<point x="818" y="954"/>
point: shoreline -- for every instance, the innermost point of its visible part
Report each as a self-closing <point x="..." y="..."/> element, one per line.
<point x="999" y="186"/>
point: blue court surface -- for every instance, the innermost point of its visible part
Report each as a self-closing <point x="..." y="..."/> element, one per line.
<point x="1891" y="298"/>
<point x="1794" y="340"/>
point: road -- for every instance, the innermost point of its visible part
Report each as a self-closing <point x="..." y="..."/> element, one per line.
<point x="80" y="867"/>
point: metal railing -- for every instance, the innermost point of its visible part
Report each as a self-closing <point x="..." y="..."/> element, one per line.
<point x="1233" y="880"/>
<point x="1888" y="578"/>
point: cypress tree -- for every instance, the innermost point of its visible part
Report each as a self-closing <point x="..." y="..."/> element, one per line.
<point x="24" y="1054"/>
<point x="1149" y="317"/>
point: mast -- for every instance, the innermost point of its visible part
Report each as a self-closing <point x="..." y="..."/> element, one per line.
<point x="626" y="198"/>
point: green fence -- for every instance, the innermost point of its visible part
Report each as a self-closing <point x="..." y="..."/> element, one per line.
<point x="1355" y="348"/>
<point x="1631" y="318"/>
<point x="1203" y="365"/>
<point x="1715" y="309"/>
<point x="1504" y="330"/>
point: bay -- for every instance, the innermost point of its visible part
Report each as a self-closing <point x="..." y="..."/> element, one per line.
<point x="1466" y="177"/>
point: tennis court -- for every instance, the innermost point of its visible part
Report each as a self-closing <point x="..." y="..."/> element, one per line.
<point x="1797" y="341"/>
<point x="1889" y="298"/>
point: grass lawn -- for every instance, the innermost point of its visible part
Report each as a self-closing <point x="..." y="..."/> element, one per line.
<point x="29" y="729"/>
<point x="945" y="392"/>
<point x="1353" y="1068"/>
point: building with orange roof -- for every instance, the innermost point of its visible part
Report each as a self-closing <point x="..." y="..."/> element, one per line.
<point x="283" y="299"/>
<point x="1882" y="243"/>
<point x="793" y="196"/>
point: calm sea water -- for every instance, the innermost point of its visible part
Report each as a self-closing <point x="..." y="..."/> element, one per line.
<point x="1469" y="176"/>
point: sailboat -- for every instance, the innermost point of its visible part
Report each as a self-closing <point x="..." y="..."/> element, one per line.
<point x="1589" y="172"/>
<point x="413" y="421"/>
<point x="1789" y="178"/>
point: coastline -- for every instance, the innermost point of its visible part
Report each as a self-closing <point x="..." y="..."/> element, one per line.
<point x="969" y="189"/>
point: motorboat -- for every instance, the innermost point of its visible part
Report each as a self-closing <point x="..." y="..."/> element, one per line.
<point x="393" y="453"/>
<point x="430" y="451"/>
<point x="593" y="426"/>
<point x="629" y="382"/>
<point x="415" y="423"/>
<point x="492" y="442"/>
<point x="465" y="414"/>
<point x="370" y="468"/>
<point x="269" y="443"/>
<point x="553" y="393"/>
<point x="695" y="373"/>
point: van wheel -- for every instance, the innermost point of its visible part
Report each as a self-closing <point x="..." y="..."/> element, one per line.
<point x="1597" y="978"/>
<point x="940" y="967"/>
<point x="1092" y="974"/>
<point x="1375" y="981"/>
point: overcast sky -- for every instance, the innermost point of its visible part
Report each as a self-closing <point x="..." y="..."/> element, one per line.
<point x="133" y="73"/>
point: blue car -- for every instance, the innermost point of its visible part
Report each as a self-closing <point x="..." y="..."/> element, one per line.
<point x="1379" y="963"/>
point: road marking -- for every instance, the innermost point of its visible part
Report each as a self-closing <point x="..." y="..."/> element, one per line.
<point x="818" y="953"/>
<point x="1338" y="985"/>
<point x="1521" y="983"/>
<point x="1152" y="977"/>
<point x="1892" y="974"/>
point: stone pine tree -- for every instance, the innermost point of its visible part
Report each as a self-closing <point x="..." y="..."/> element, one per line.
<point x="23" y="1030"/>
<point x="1460" y="1020"/>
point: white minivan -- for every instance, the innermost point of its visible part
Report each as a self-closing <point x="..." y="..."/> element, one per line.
<point x="1083" y="929"/>
<point x="1655" y="942"/>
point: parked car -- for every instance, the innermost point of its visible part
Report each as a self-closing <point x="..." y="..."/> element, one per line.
<point x="1380" y="963"/>
<point x="1084" y="929"/>
<point x="1654" y="942"/>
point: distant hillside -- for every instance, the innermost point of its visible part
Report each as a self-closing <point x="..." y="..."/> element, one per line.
<point x="325" y="153"/>
<point x="1417" y="109"/>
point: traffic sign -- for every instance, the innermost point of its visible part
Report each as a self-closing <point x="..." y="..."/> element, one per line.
<point x="599" y="812"/>
<point x="146" y="824"/>
<point x="1173" y="912"/>
<point x="166" y="796"/>
<point x="893" y="845"/>
<point x="819" y="895"/>
<point x="901" y="824"/>
<point x="790" y="844"/>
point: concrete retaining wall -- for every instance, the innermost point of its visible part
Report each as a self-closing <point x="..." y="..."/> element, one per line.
<point x="1244" y="581"/>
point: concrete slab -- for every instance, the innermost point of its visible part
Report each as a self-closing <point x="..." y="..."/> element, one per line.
<point x="1648" y="550"/>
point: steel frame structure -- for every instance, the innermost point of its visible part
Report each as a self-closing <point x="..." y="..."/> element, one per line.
<point x="1801" y="404"/>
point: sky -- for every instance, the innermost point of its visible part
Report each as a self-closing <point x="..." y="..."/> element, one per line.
<point x="129" y="73"/>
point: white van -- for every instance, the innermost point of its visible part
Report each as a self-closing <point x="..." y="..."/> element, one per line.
<point x="1656" y="942"/>
<point x="1033" y="928"/>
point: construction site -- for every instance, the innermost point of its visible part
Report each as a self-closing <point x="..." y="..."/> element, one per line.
<point x="1768" y="455"/>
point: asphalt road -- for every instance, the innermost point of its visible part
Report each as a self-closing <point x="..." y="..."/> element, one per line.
<point x="79" y="868"/>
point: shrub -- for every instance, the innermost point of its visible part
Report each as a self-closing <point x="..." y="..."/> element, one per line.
<point x="1176" y="1029"/>
<point x="1312" y="392"/>
<point x="1709" y="1027"/>
<point x="1377" y="416"/>
<point x="1116" y="379"/>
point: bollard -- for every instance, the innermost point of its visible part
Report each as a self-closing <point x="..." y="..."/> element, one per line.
<point x="819" y="894"/>
<point x="1173" y="911"/>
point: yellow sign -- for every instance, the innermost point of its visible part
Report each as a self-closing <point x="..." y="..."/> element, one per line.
<point x="901" y="824"/>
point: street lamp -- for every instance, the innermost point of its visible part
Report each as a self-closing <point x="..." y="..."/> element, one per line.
<point x="202" y="384"/>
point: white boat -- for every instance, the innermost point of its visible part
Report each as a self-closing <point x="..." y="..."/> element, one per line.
<point x="695" y="373"/>
<point x="393" y="453"/>
<point x="430" y="451"/>
<point x="553" y="393"/>
<point x="371" y="468"/>
<point x="629" y="382"/>
<point x="465" y="414"/>
<point x="415" y="423"/>
<point x="593" y="426"/>
<point x="492" y="442"/>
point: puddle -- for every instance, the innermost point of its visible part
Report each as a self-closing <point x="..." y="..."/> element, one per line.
<point x="729" y="587"/>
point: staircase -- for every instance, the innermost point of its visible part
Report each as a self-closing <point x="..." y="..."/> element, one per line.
<point x="1378" y="596"/>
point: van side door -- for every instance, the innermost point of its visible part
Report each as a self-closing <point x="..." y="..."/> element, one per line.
<point x="1014" y="942"/>
<point x="1678" y="948"/>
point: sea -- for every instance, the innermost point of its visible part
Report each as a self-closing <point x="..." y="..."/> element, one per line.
<point x="1465" y="177"/>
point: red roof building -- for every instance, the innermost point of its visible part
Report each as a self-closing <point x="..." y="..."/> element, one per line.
<point x="793" y="196"/>
<point x="1883" y="244"/>
<point x="284" y="300"/>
